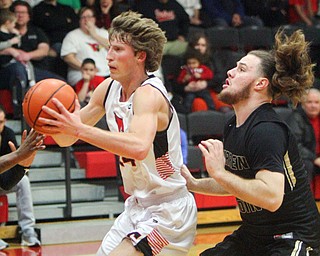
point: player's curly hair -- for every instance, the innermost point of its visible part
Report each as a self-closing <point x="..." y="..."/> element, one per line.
<point x="288" y="66"/>
<point x="142" y="34"/>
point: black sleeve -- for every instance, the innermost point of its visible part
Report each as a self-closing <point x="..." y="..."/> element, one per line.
<point x="11" y="177"/>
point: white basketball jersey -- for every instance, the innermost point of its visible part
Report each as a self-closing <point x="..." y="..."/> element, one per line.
<point x="159" y="173"/>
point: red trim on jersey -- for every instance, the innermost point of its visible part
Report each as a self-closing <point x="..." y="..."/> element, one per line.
<point x="156" y="241"/>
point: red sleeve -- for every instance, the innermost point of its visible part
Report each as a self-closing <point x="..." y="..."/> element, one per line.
<point x="78" y="86"/>
<point x="182" y="74"/>
<point x="207" y="73"/>
<point x="96" y="81"/>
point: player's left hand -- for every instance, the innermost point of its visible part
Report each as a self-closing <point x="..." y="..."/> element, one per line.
<point x="214" y="156"/>
<point x="63" y="122"/>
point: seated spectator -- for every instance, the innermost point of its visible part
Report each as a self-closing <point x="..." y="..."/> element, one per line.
<point x="29" y="56"/>
<point x="56" y="20"/>
<point x="305" y="124"/>
<point x="303" y="12"/>
<point x="105" y="11"/>
<point x="192" y="8"/>
<point x="273" y="13"/>
<point x="85" y="87"/>
<point x="194" y="76"/>
<point x="172" y="18"/>
<point x="201" y="42"/>
<point x="87" y="41"/>
<point x="24" y="202"/>
<point x="9" y="35"/>
<point x="231" y="13"/>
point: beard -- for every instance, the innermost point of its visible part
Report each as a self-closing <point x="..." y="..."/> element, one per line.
<point x="231" y="98"/>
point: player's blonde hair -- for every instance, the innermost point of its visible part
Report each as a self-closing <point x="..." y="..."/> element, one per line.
<point x="142" y="34"/>
<point x="288" y="66"/>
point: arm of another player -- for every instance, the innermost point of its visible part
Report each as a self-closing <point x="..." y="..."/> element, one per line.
<point x="25" y="154"/>
<point x="266" y="190"/>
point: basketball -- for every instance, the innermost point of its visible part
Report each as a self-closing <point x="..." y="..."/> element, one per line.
<point x="41" y="94"/>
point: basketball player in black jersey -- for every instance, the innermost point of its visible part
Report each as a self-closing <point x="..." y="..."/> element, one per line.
<point x="258" y="162"/>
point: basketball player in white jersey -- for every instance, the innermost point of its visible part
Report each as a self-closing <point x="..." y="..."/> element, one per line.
<point x="160" y="215"/>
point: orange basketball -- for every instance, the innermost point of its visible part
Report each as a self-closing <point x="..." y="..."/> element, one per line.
<point x="40" y="95"/>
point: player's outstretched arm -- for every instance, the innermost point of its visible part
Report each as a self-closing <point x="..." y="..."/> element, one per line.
<point x="25" y="154"/>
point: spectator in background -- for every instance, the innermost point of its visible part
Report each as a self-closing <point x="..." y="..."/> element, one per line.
<point x="194" y="76"/>
<point x="231" y="13"/>
<point x="87" y="41"/>
<point x="273" y="13"/>
<point x="89" y="82"/>
<point x="56" y="20"/>
<point x="34" y="42"/>
<point x="305" y="124"/>
<point x="303" y="12"/>
<point x="15" y="180"/>
<point x="28" y="59"/>
<point x="193" y="9"/>
<point x="201" y="42"/>
<point x="105" y="11"/>
<point x="172" y="19"/>
<point x="5" y="4"/>
<point x="9" y="35"/>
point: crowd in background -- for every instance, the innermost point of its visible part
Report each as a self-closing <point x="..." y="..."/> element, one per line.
<point x="56" y="36"/>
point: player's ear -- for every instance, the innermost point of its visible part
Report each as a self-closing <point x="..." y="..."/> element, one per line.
<point x="141" y="55"/>
<point x="262" y="83"/>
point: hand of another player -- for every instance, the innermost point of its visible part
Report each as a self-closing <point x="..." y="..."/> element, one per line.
<point x="30" y="144"/>
<point x="62" y="122"/>
<point x="191" y="181"/>
<point x="214" y="156"/>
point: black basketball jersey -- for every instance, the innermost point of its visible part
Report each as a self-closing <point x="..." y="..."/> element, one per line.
<point x="265" y="142"/>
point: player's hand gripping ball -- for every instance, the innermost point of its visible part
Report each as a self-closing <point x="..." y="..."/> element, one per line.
<point x="41" y="94"/>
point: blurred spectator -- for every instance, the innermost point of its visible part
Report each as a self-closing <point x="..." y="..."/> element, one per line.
<point x="88" y="41"/>
<point x="9" y="35"/>
<point x="105" y="11"/>
<point x="85" y="87"/>
<point x="193" y="9"/>
<point x="194" y="76"/>
<point x="303" y="12"/>
<point x="273" y="13"/>
<point x="226" y="13"/>
<point x="56" y="20"/>
<point x="5" y="4"/>
<point x="172" y="18"/>
<point x="34" y="42"/>
<point x="26" y="62"/>
<point x="305" y="124"/>
<point x="201" y="42"/>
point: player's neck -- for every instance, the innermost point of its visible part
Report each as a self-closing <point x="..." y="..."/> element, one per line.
<point x="244" y="109"/>
<point x="129" y="86"/>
